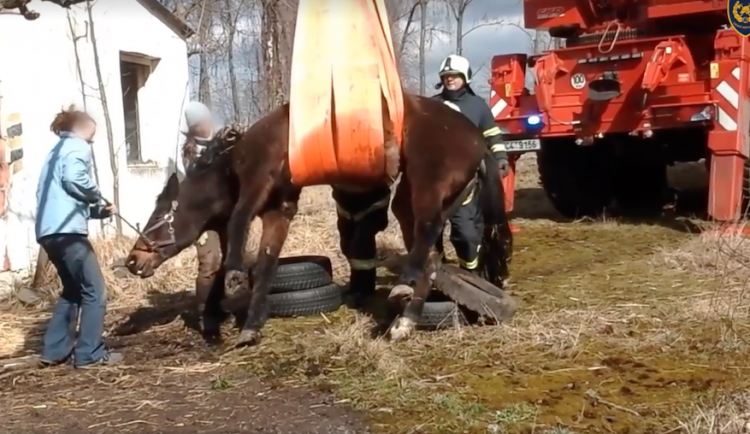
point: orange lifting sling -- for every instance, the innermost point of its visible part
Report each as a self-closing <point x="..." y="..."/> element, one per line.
<point x="343" y="69"/>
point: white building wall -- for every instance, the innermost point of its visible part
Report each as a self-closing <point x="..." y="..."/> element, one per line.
<point x="38" y="77"/>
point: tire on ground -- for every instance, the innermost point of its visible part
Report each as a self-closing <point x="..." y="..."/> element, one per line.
<point x="442" y="314"/>
<point x="299" y="273"/>
<point x="577" y="179"/>
<point x="305" y="302"/>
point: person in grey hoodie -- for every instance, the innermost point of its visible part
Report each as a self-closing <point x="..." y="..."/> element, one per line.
<point x="67" y="197"/>
<point x="200" y="131"/>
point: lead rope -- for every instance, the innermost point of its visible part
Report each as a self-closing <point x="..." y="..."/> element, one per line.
<point x="136" y="227"/>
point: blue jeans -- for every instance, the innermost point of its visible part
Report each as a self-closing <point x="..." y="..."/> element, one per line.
<point x="83" y="293"/>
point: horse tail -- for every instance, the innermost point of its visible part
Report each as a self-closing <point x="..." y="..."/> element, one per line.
<point x="497" y="239"/>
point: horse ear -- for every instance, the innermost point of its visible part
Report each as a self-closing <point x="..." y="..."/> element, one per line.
<point x="173" y="186"/>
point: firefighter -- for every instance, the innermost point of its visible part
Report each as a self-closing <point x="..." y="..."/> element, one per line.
<point x="200" y="132"/>
<point x="466" y="225"/>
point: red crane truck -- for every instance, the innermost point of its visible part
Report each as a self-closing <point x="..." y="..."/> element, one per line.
<point x="638" y="86"/>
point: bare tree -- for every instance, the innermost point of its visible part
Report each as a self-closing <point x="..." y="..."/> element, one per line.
<point x="8" y="7"/>
<point x="406" y="33"/>
<point x="422" y="46"/>
<point x="275" y="51"/>
<point x="458" y="11"/>
<point x="287" y="18"/>
<point x="269" y="42"/>
<point x="541" y="41"/>
<point x="408" y="40"/>
<point x="246" y="67"/>
<point x="205" y="22"/>
<point x="107" y="118"/>
<point x="230" y="17"/>
<point x="74" y="37"/>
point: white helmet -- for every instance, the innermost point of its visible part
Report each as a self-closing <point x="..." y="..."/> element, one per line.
<point x="196" y="112"/>
<point x="455" y="64"/>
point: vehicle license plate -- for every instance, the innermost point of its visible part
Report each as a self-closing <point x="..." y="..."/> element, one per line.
<point x="522" y="145"/>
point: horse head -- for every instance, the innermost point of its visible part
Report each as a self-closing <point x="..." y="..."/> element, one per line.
<point x="184" y="210"/>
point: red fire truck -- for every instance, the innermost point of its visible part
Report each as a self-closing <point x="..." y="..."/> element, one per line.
<point x="637" y="86"/>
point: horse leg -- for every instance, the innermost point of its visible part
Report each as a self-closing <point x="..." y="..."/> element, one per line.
<point x="275" y="230"/>
<point x="497" y="239"/>
<point x="212" y="314"/>
<point x="424" y="214"/>
<point x="361" y="216"/>
<point x="237" y="227"/>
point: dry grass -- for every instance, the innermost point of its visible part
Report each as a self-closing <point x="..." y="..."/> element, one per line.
<point x="622" y="327"/>
<point x="727" y="414"/>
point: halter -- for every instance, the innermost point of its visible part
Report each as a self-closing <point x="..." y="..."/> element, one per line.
<point x="155" y="245"/>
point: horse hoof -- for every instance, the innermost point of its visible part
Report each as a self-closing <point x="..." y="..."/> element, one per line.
<point x="211" y="326"/>
<point x="401" y="292"/>
<point x="234" y="282"/>
<point x="247" y="338"/>
<point x="402" y="329"/>
<point x="357" y="300"/>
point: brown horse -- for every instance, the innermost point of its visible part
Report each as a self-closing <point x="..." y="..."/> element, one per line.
<point x="247" y="175"/>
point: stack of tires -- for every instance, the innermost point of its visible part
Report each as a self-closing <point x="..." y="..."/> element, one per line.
<point x="304" y="286"/>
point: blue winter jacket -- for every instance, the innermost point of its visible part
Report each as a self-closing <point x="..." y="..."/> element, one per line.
<point x="67" y="196"/>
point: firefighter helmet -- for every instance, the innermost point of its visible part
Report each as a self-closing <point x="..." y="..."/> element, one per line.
<point x="455" y="64"/>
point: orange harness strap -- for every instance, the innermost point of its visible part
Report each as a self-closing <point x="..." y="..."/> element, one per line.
<point x="343" y="68"/>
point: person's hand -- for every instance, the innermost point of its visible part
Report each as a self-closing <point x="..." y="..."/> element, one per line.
<point x="503" y="164"/>
<point x="109" y="210"/>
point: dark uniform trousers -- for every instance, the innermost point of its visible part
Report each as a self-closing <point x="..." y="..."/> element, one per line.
<point x="467" y="227"/>
<point x="361" y="216"/>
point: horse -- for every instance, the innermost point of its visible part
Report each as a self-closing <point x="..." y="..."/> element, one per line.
<point x="244" y="175"/>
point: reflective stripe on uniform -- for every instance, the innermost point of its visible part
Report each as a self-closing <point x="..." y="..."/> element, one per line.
<point x="472" y="187"/>
<point x="454" y="106"/>
<point x="364" y="264"/>
<point x="492" y="132"/>
<point x="468" y="198"/>
<point x="471" y="265"/>
<point x="497" y="148"/>
<point x="382" y="203"/>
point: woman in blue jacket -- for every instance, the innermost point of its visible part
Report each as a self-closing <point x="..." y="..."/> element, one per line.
<point x="67" y="197"/>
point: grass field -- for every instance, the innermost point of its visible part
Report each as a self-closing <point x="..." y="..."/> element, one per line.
<point x="622" y="327"/>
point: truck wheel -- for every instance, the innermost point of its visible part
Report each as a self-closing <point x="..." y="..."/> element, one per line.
<point x="640" y="189"/>
<point x="577" y="179"/>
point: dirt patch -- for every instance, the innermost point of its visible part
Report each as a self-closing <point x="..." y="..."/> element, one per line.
<point x="171" y="382"/>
